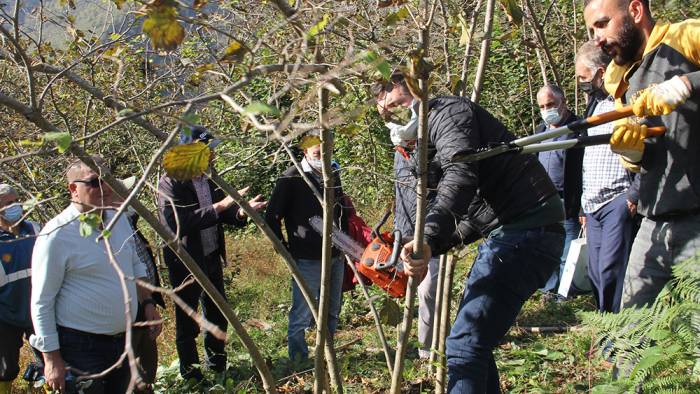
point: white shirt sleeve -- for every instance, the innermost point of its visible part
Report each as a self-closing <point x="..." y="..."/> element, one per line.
<point x="48" y="270"/>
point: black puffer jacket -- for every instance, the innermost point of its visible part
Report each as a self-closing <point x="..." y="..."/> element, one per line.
<point x="476" y="224"/>
<point x="507" y="184"/>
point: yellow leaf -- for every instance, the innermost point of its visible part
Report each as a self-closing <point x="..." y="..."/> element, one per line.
<point x="234" y="52"/>
<point x="184" y="162"/>
<point x="162" y="27"/>
<point x="199" y="4"/>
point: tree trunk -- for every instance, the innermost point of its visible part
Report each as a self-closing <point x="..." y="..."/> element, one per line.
<point x="436" y="311"/>
<point x="421" y="186"/>
<point x="320" y="378"/>
<point x="485" y="48"/>
<point x="444" y="323"/>
<point x="468" y="49"/>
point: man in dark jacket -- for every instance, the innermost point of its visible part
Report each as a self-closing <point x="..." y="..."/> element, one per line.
<point x="196" y="210"/>
<point x="515" y="259"/>
<point x="563" y="167"/>
<point x="294" y="202"/>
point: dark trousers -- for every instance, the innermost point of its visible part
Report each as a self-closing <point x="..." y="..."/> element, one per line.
<point x="146" y="351"/>
<point x="92" y="353"/>
<point x="187" y="330"/>
<point x="11" y="339"/>
<point x="609" y="239"/>
<point x="509" y="267"/>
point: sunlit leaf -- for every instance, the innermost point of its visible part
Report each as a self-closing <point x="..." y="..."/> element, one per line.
<point x="378" y="62"/>
<point x="62" y="139"/>
<point x="184" y="162"/>
<point x="234" y="52"/>
<point x="390" y="314"/>
<point x="464" y="37"/>
<point x="513" y="11"/>
<point x="396" y="17"/>
<point x="258" y="107"/>
<point x="162" y="27"/>
<point x="70" y="3"/>
<point x="88" y="223"/>
<point x="197" y="4"/>
<point x="318" y="27"/>
<point x="119" y="3"/>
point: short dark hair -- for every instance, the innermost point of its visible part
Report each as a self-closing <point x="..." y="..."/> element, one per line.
<point x="386" y="86"/>
<point x="623" y="4"/>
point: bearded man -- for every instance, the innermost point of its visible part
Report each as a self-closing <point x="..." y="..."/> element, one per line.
<point x="656" y="68"/>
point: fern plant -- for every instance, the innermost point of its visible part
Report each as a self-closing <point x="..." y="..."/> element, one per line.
<point x="656" y="348"/>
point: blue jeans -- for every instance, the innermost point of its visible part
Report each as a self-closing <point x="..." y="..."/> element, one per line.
<point x="300" y="316"/>
<point x="572" y="228"/>
<point x="92" y="354"/>
<point x="509" y="267"/>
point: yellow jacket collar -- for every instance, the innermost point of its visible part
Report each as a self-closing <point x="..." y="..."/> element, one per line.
<point x="616" y="75"/>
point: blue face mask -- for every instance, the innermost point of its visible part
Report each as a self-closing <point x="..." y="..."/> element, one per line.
<point x="13" y="213"/>
<point x="551" y="116"/>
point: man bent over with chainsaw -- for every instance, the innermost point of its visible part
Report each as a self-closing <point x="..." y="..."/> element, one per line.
<point x="515" y="259"/>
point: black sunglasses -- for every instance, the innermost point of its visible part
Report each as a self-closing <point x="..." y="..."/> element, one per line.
<point x="93" y="183"/>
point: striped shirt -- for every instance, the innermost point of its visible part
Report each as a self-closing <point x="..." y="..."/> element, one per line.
<point x="604" y="178"/>
<point x="73" y="283"/>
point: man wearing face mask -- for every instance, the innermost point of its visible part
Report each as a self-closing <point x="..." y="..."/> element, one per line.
<point x="563" y="167"/>
<point x="656" y="69"/>
<point x="17" y="238"/>
<point x="294" y="202"/>
<point x="516" y="258"/>
<point x="404" y="139"/>
<point x="610" y="192"/>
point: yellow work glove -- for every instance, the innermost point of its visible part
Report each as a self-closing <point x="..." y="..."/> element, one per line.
<point x="627" y="140"/>
<point x="661" y="99"/>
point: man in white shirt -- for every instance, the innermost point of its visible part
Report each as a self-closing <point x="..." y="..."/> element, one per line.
<point x="77" y="303"/>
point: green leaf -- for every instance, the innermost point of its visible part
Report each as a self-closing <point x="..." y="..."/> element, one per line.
<point x="258" y="107"/>
<point x="125" y="112"/>
<point x="513" y="11"/>
<point x="106" y="234"/>
<point x="318" y="27"/>
<point x="555" y="356"/>
<point x="62" y="139"/>
<point x="396" y="17"/>
<point x="390" y="313"/>
<point x="649" y="358"/>
<point x="88" y="223"/>
<point x="378" y="62"/>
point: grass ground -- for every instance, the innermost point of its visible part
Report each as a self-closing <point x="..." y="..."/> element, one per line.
<point x="258" y="286"/>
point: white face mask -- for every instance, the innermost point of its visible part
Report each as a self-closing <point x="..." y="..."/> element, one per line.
<point x="316" y="164"/>
<point x="550" y="116"/>
<point x="401" y="134"/>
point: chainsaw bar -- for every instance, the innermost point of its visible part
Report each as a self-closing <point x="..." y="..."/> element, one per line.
<point x="339" y="239"/>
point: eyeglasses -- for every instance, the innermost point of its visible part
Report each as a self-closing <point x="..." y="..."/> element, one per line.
<point x="93" y="183"/>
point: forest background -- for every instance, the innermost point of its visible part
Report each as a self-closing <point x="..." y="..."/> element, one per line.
<point x="116" y="78"/>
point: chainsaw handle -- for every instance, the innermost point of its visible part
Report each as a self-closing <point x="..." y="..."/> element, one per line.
<point x="376" y="233"/>
<point x="394" y="258"/>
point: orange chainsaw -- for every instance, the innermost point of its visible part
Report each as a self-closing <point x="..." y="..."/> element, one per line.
<point x="379" y="261"/>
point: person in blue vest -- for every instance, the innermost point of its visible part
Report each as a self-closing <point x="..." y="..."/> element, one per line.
<point x="16" y="244"/>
